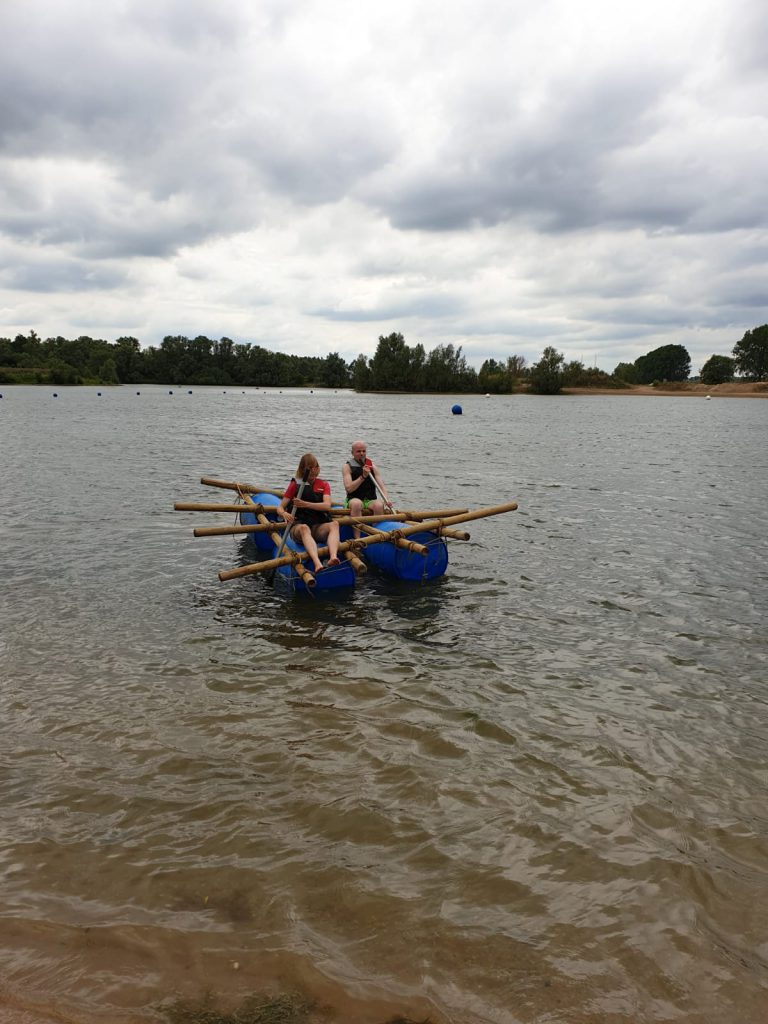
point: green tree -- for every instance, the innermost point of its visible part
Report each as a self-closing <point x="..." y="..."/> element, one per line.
<point x="360" y="372"/>
<point x="7" y="352"/>
<point x="128" y="360"/>
<point x="107" y="372"/>
<point x="64" y="374"/>
<point x="446" y="369"/>
<point x="718" y="370"/>
<point x="751" y="354"/>
<point x="668" y="363"/>
<point x="334" y="372"/>
<point x="493" y="377"/>
<point x="627" y="372"/>
<point x="546" y="376"/>
<point x="516" y="370"/>
<point x="391" y="364"/>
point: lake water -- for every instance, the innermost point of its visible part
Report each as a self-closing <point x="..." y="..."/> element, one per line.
<point x="533" y="790"/>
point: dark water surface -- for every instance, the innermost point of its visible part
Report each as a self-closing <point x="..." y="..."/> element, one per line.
<point x="532" y="790"/>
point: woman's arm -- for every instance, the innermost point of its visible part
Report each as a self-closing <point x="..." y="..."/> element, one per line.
<point x="282" y="508"/>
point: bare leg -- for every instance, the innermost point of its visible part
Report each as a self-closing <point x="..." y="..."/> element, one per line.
<point x="303" y="535"/>
<point x="329" y="532"/>
<point x="355" y="509"/>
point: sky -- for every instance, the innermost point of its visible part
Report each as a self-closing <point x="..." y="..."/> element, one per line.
<point x="308" y="175"/>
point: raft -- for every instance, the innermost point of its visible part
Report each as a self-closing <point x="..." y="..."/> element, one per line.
<point x="407" y="545"/>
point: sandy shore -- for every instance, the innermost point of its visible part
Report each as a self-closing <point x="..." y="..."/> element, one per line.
<point x="685" y="389"/>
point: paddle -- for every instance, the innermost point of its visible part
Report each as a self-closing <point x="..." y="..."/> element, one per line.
<point x="369" y="466"/>
<point x="287" y="530"/>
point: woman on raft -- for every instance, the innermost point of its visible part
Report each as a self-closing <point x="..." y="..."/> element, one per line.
<point x="305" y="509"/>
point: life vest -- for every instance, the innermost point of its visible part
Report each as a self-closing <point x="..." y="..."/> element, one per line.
<point x="308" y="515"/>
<point x="367" y="489"/>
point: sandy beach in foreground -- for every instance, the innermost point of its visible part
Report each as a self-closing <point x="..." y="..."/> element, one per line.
<point x="686" y="389"/>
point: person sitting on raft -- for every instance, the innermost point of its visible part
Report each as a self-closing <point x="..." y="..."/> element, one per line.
<point x="361" y="478"/>
<point x="308" y="517"/>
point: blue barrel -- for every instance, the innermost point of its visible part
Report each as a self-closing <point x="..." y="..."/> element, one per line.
<point x="342" y="575"/>
<point x="402" y="564"/>
<point x="262" y="540"/>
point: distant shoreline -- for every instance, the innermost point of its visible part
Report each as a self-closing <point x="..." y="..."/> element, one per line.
<point x="685" y="389"/>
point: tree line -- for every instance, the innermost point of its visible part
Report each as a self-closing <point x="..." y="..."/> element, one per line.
<point x="395" y="366"/>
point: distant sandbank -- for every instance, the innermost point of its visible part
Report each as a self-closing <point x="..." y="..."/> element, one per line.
<point x="685" y="389"/>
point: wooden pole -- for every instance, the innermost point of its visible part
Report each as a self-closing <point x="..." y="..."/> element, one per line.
<point x="233" y="485"/>
<point x="196" y="506"/>
<point x="399" y="517"/>
<point x="357" y="563"/>
<point x="430" y="524"/>
<point x="224" y="531"/>
<point x="453" y="534"/>
<point x="340" y="513"/>
<point x="399" y="542"/>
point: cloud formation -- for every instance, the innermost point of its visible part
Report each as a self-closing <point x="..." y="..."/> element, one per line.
<point x="311" y="175"/>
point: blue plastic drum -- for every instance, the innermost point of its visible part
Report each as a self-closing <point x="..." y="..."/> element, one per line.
<point x="262" y="540"/>
<point x="402" y="564"/>
<point x="342" y="575"/>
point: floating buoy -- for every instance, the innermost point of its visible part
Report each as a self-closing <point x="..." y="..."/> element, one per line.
<point x="456" y="410"/>
<point x="138" y="392"/>
<point x="709" y="397"/>
<point x="487" y="395"/>
<point x="98" y="394"/>
<point x="55" y="395"/>
<point x="189" y="392"/>
<point x="170" y="392"/>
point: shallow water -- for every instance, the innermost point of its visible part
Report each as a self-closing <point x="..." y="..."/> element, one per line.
<point x="532" y="790"/>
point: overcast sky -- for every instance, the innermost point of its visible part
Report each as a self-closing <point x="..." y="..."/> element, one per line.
<point x="311" y="174"/>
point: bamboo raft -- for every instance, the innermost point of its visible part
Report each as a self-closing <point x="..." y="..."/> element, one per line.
<point x="408" y="544"/>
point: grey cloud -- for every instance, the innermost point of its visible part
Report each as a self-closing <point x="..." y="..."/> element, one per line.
<point x="61" y="275"/>
<point x="427" y="305"/>
<point x="180" y="114"/>
<point x="545" y="171"/>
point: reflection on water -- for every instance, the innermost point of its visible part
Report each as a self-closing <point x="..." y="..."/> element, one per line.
<point x="530" y="790"/>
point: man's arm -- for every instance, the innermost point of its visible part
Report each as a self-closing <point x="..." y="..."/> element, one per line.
<point x="350" y="485"/>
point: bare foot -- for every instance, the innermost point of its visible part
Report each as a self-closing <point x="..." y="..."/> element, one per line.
<point x="318" y="566"/>
<point x="331" y="562"/>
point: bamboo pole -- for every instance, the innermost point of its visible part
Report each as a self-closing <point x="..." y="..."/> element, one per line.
<point x="340" y="513"/>
<point x="398" y="517"/>
<point x="399" y="542"/>
<point x="205" y="506"/>
<point x="224" y="531"/>
<point x="357" y="563"/>
<point x="453" y="534"/>
<point x="233" y="485"/>
<point x="430" y="524"/>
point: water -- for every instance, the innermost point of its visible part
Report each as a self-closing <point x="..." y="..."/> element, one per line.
<point x="532" y="790"/>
